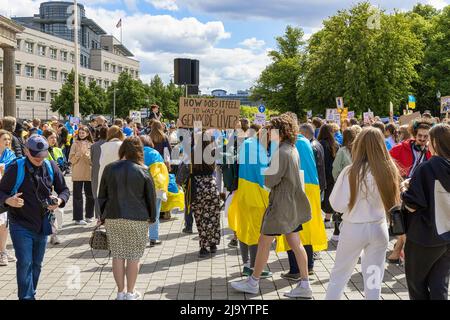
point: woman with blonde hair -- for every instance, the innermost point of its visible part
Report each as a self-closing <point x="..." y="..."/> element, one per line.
<point x="364" y="192"/>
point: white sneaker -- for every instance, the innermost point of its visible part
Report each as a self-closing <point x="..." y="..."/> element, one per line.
<point x="10" y="257"/>
<point x="3" y="259"/>
<point x="54" y="239"/>
<point x="133" y="296"/>
<point x="89" y="220"/>
<point x="245" y="286"/>
<point x="121" y="296"/>
<point x="299" y="292"/>
<point x="80" y="222"/>
<point x="317" y="256"/>
<point x="329" y="224"/>
<point x="335" y="238"/>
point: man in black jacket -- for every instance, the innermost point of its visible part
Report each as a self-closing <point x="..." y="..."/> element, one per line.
<point x="28" y="210"/>
<point x="307" y="131"/>
<point x="9" y="124"/>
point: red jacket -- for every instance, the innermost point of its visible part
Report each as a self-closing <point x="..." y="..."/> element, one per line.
<point x="404" y="156"/>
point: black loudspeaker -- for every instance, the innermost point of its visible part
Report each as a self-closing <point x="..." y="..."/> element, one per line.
<point x="192" y="90"/>
<point x="195" y="73"/>
<point x="182" y="71"/>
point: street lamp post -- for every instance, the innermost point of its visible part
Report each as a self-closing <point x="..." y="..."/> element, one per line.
<point x="114" y="103"/>
<point x="77" y="57"/>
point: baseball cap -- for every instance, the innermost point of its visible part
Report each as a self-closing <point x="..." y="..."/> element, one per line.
<point x="38" y="146"/>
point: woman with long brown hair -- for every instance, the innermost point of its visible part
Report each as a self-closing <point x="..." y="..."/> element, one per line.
<point x="364" y="192"/>
<point x="161" y="141"/>
<point x="80" y="158"/>
<point x="330" y="148"/>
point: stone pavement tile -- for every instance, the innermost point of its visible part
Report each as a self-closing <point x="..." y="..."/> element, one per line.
<point x="202" y="297"/>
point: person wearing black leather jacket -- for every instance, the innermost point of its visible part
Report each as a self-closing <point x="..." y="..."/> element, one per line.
<point x="127" y="202"/>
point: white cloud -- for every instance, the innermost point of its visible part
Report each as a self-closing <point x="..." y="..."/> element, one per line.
<point x="170" y="5"/>
<point x="439" y="4"/>
<point x="253" y="43"/>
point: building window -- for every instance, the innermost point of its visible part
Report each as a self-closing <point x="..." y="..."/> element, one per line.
<point x="53" y="75"/>
<point x="106" y="83"/>
<point x="42" y="96"/>
<point x="29" y="71"/>
<point x="1" y="92"/>
<point x="137" y="74"/>
<point x="1" y="66"/>
<point x="18" y="69"/>
<point x="83" y="79"/>
<point x="113" y="68"/>
<point x="106" y="66"/>
<point x="63" y="55"/>
<point x="30" y="94"/>
<point x="53" y="53"/>
<point x="72" y="57"/>
<point x="99" y="82"/>
<point x="52" y="96"/>
<point x="18" y="44"/>
<point x="18" y="94"/>
<point x="120" y="69"/>
<point x="29" y="47"/>
<point x="41" y="50"/>
<point x="63" y="76"/>
<point x="42" y="73"/>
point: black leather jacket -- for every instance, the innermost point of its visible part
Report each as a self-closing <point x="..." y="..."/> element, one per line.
<point x="127" y="192"/>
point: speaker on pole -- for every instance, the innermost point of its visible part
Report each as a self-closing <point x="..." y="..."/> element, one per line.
<point x="182" y="71"/>
<point x="195" y="73"/>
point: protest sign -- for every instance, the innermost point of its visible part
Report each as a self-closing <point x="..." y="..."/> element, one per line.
<point x="330" y="114"/>
<point x="367" y="116"/>
<point x="351" y="115"/>
<point x="445" y="104"/>
<point x="406" y="119"/>
<point x="74" y="120"/>
<point x="135" y="116"/>
<point x="213" y="113"/>
<point x="260" y="119"/>
<point x="309" y="114"/>
<point x="339" y="102"/>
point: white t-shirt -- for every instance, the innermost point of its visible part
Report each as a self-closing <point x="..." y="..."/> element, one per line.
<point x="368" y="206"/>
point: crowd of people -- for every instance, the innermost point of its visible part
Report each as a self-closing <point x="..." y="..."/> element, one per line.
<point x="286" y="181"/>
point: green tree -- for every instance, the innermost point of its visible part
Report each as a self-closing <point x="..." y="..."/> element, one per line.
<point x="368" y="64"/>
<point x="277" y="85"/>
<point x="97" y="98"/>
<point x="130" y="95"/>
<point x="64" y="100"/>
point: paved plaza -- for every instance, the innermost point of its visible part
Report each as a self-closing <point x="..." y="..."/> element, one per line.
<point x="173" y="271"/>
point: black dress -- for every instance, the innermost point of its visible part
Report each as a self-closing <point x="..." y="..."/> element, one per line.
<point x="329" y="159"/>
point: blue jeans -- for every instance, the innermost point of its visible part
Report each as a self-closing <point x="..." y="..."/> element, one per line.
<point x="30" y="249"/>
<point x="153" y="231"/>
<point x="293" y="267"/>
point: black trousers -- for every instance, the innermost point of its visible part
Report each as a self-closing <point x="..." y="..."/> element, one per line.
<point x="78" y="200"/>
<point x="293" y="266"/>
<point x="427" y="271"/>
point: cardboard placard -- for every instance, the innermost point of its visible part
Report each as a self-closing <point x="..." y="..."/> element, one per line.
<point x="330" y="114"/>
<point x="213" y="113"/>
<point x="135" y="116"/>
<point x="406" y="119"/>
<point x="445" y="104"/>
<point x="309" y="114"/>
<point x="74" y="120"/>
<point x="351" y="115"/>
<point x="367" y="116"/>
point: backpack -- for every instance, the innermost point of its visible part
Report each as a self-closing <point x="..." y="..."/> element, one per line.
<point x="20" y="176"/>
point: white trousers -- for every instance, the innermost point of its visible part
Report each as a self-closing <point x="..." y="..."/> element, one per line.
<point x="369" y="239"/>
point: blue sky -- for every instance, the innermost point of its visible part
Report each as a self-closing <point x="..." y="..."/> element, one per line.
<point x="229" y="37"/>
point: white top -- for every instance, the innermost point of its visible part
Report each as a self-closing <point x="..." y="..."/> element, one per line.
<point x="368" y="206"/>
<point x="109" y="153"/>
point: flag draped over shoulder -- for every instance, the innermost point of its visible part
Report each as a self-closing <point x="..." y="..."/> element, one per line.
<point x="313" y="232"/>
<point x="175" y="196"/>
<point x="250" y="200"/>
<point x="158" y="170"/>
<point x="7" y="157"/>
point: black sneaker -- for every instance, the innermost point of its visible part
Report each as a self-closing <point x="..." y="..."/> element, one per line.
<point x="186" y="230"/>
<point x="291" y="276"/>
<point x="213" y="248"/>
<point x="155" y="243"/>
<point x="204" y="253"/>
<point x="233" y="243"/>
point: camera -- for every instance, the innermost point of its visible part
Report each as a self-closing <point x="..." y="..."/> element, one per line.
<point x="49" y="202"/>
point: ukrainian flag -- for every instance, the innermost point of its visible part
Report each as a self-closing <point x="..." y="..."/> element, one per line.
<point x="158" y="171"/>
<point x="250" y="200"/>
<point x="411" y="102"/>
<point x="313" y="232"/>
<point x="175" y="196"/>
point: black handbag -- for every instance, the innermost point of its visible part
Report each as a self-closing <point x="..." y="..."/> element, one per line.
<point x="99" y="241"/>
<point x="397" y="224"/>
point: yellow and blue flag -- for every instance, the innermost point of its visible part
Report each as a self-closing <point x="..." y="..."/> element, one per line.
<point x="158" y="170"/>
<point x="313" y="232"/>
<point x="250" y="200"/>
<point x="175" y="196"/>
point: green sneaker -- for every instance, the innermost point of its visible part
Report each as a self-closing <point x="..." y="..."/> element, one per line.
<point x="265" y="274"/>
<point x="247" y="272"/>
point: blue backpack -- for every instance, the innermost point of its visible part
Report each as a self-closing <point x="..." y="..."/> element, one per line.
<point x="20" y="176"/>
